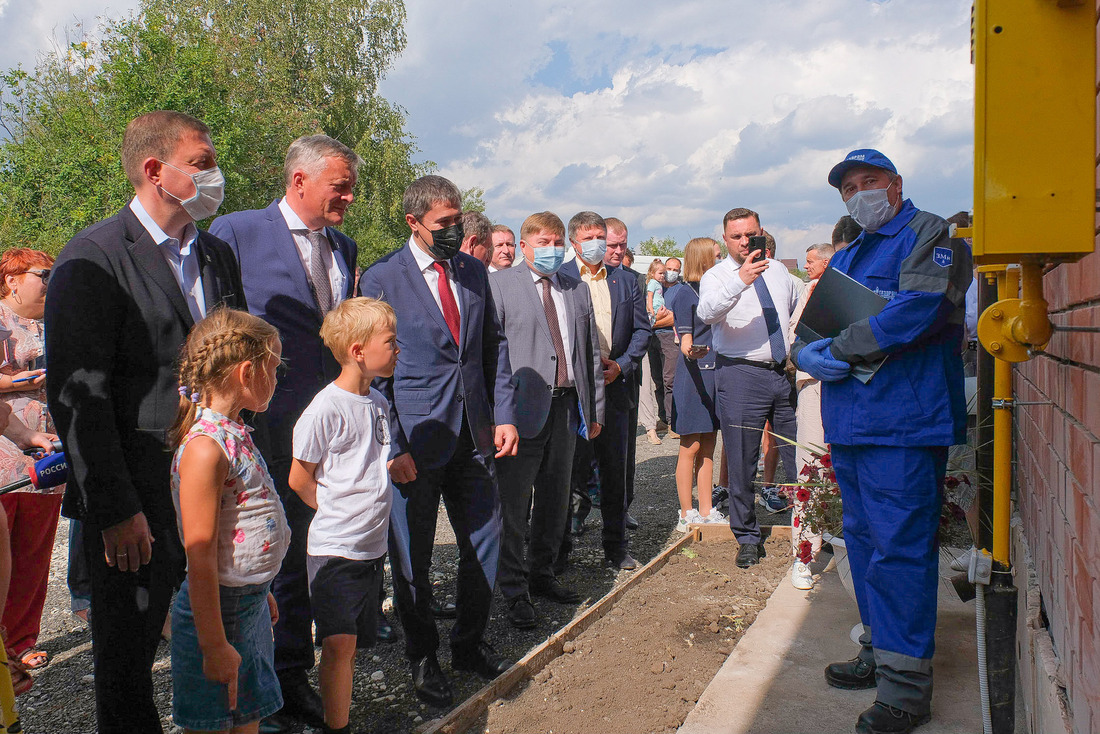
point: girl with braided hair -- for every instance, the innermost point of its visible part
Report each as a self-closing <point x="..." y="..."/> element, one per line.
<point x="232" y="525"/>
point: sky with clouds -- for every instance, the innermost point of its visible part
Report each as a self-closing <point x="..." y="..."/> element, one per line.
<point x="663" y="114"/>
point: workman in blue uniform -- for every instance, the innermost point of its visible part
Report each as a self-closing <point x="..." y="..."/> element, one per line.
<point x="890" y="436"/>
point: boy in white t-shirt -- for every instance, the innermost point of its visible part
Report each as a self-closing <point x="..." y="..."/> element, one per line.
<point x="341" y="447"/>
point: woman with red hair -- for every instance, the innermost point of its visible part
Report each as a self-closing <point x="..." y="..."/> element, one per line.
<point x="32" y="514"/>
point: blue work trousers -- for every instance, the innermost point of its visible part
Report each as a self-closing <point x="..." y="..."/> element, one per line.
<point x="892" y="497"/>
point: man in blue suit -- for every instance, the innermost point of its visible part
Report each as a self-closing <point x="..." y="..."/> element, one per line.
<point x="451" y="413"/>
<point x="296" y="267"/>
<point x="624" y="332"/>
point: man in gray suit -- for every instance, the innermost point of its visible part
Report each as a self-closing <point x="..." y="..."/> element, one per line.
<point x="554" y="352"/>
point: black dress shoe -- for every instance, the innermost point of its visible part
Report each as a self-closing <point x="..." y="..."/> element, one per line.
<point x="631" y="522"/>
<point x="554" y="591"/>
<point x="484" y="661"/>
<point x="444" y="610"/>
<point x="884" y="719"/>
<point x="280" y="723"/>
<point x="429" y="683"/>
<point x="856" y="674"/>
<point x="750" y="555"/>
<point x="301" y="702"/>
<point x="386" y="632"/>
<point x="521" y="613"/>
<point x="625" y="563"/>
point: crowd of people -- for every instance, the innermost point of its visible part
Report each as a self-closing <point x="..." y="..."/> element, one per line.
<point x="253" y="427"/>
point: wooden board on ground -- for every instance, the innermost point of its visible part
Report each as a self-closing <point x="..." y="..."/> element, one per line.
<point x="462" y="717"/>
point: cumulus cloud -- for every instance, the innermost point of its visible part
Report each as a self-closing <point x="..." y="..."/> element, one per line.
<point x="667" y="115"/>
<point x="664" y="114"/>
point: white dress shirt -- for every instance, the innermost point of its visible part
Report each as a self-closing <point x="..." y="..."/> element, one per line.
<point x="182" y="258"/>
<point x="734" y="311"/>
<point x="425" y="262"/>
<point x="563" y="318"/>
<point x="335" y="266"/>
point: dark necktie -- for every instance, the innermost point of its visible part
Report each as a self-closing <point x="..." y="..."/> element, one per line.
<point x="771" y="318"/>
<point x="447" y="301"/>
<point x="551" y="311"/>
<point x="318" y="273"/>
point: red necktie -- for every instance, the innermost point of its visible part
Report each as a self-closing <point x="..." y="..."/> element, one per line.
<point x="447" y="301"/>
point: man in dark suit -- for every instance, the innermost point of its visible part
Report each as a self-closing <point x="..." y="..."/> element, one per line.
<point x="554" y="354"/>
<point x="452" y="408"/>
<point x="122" y="297"/>
<point x="296" y="266"/>
<point x="624" y="332"/>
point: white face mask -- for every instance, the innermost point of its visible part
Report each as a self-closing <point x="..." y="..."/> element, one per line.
<point x="871" y="209"/>
<point x="208" y="196"/>
<point x="672" y="276"/>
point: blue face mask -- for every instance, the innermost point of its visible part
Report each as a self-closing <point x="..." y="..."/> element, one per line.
<point x="548" y="259"/>
<point x="592" y="251"/>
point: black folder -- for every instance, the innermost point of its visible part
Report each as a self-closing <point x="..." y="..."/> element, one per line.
<point x="838" y="301"/>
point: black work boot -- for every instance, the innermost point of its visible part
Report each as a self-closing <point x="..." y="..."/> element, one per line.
<point x="856" y="674"/>
<point x="882" y="718"/>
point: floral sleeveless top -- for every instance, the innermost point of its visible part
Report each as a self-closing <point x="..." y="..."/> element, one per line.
<point x="252" y="530"/>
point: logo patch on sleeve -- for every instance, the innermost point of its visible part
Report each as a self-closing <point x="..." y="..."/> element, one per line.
<point x="942" y="256"/>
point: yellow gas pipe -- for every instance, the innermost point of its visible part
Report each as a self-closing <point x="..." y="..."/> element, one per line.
<point x="1009" y="330"/>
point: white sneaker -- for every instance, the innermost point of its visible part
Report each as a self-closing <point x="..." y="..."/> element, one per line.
<point x="715" y="518"/>
<point x="801" y="578"/>
<point x="686" y="521"/>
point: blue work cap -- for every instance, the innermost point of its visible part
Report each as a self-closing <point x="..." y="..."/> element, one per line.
<point x="861" y="157"/>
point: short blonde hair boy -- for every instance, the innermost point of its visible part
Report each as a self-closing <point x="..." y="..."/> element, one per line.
<point x="355" y="320"/>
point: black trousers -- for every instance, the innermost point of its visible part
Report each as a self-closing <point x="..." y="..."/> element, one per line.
<point x="612" y="449"/>
<point x="127" y="615"/>
<point x="537" y="480"/>
<point x="467" y="484"/>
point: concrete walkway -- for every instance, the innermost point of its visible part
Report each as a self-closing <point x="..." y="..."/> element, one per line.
<point x="773" y="682"/>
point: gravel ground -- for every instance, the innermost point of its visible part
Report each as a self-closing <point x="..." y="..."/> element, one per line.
<point x="62" y="700"/>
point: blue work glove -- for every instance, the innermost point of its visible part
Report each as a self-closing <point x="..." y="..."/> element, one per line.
<point x="816" y="360"/>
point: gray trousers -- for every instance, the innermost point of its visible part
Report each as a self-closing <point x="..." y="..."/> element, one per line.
<point x="536" y="480"/>
<point x="748" y="397"/>
<point x="670" y="356"/>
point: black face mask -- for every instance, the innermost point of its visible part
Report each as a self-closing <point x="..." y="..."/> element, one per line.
<point x="446" y="242"/>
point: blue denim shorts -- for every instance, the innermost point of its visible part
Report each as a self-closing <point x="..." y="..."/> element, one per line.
<point x="203" y="705"/>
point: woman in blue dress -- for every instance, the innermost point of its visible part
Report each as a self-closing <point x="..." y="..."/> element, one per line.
<point x="693" y="398"/>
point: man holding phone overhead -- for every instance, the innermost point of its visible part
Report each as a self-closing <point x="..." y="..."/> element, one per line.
<point x="749" y="304"/>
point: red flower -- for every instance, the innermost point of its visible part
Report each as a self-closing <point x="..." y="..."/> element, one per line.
<point x="827" y="461"/>
<point x="806" y="471"/>
<point x="796" y="521"/>
<point x="966" y="480"/>
<point x="805" y="551"/>
<point x="802" y="494"/>
<point x="830" y="476"/>
<point x="950" y="482"/>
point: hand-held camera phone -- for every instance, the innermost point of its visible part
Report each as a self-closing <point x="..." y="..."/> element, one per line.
<point x="757" y="243"/>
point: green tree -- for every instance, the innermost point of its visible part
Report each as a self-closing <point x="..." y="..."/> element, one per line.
<point x="664" y="247"/>
<point x="259" y="72"/>
<point x="473" y="199"/>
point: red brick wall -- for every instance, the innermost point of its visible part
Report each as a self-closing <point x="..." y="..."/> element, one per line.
<point x="1057" y="451"/>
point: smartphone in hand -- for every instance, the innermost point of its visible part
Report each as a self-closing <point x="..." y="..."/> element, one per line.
<point x="757" y="243"/>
